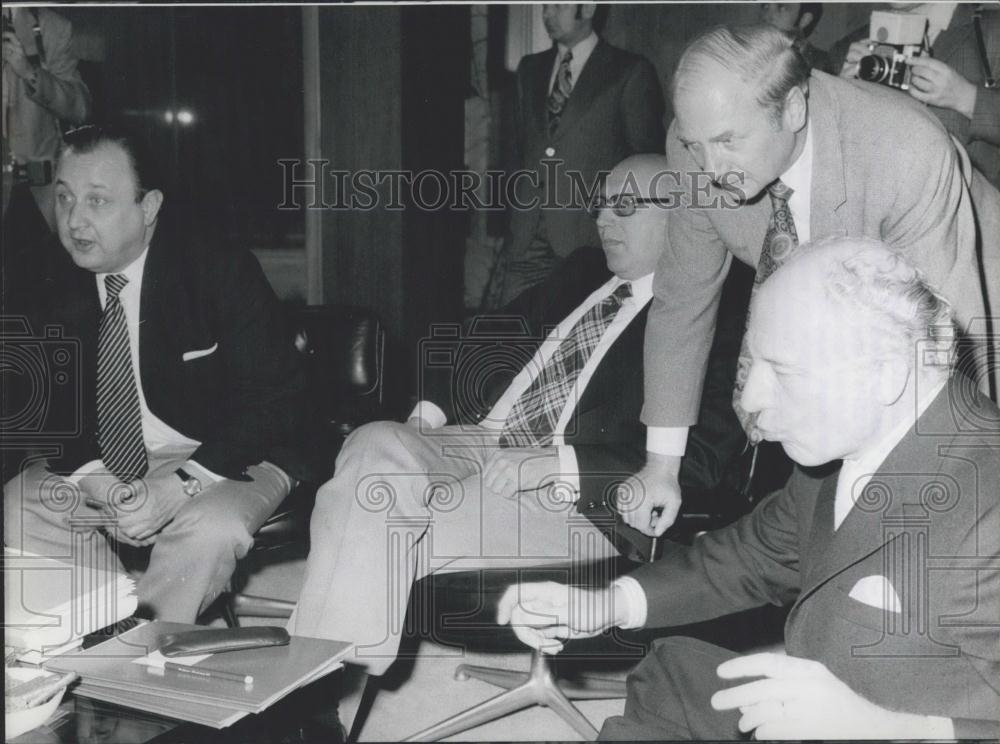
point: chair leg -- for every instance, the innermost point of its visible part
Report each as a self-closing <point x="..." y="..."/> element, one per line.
<point x="538" y="688"/>
<point x="254" y="606"/>
<point x="229" y="611"/>
<point x="587" y="687"/>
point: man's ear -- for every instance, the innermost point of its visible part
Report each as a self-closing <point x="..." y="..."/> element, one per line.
<point x="587" y="10"/>
<point x="804" y="20"/>
<point x="796" y="109"/>
<point x="893" y="377"/>
<point x="151" y="204"/>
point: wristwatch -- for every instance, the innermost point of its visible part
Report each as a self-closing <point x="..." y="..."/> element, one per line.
<point x="190" y="484"/>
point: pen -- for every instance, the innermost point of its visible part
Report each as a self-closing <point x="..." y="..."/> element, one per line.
<point x="652" y="549"/>
<point x="197" y="671"/>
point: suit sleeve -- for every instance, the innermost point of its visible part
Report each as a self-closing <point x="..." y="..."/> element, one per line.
<point x="266" y="381"/>
<point x="686" y="291"/>
<point x="750" y="563"/>
<point x="932" y="222"/>
<point x="642" y="109"/>
<point x="60" y="88"/>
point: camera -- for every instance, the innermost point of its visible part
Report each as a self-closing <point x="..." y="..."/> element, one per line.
<point x="32" y="173"/>
<point x="896" y="38"/>
<point x="41" y="381"/>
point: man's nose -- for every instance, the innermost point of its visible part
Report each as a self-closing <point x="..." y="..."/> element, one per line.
<point x="75" y="216"/>
<point x="756" y="390"/>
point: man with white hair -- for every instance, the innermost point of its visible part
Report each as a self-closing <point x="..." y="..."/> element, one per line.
<point x="884" y="541"/>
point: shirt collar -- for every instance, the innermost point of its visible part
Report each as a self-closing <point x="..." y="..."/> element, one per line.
<point x="869" y="460"/>
<point x="581" y="50"/>
<point x="132" y="272"/>
<point x="798" y="177"/>
<point x="642" y="288"/>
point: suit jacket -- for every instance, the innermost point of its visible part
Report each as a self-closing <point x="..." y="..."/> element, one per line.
<point x="957" y="47"/>
<point x="928" y="522"/>
<point x="614" y="110"/>
<point x="859" y="136"/>
<point x="605" y="431"/>
<point x="242" y="398"/>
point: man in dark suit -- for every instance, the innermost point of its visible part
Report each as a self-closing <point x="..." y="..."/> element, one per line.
<point x="580" y="107"/>
<point x="529" y="482"/>
<point x="189" y="390"/>
<point x="791" y="156"/>
<point x="887" y="554"/>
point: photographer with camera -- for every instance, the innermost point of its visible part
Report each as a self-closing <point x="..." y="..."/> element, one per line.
<point x="42" y="93"/>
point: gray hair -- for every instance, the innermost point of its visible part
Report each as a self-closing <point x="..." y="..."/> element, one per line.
<point x="761" y="55"/>
<point x="893" y="297"/>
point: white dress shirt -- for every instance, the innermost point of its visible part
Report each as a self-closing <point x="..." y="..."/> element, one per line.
<point x="569" y="470"/>
<point x="672" y="440"/>
<point x="156" y="433"/>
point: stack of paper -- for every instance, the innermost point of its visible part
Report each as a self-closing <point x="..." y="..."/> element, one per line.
<point x="128" y="670"/>
<point x="50" y="604"/>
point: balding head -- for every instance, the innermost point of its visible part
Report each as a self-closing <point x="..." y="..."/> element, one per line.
<point x="841" y="338"/>
<point x="632" y="216"/>
<point x="740" y="100"/>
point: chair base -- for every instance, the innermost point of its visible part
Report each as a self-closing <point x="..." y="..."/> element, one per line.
<point x="524" y="689"/>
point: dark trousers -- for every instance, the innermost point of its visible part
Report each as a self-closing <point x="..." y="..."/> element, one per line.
<point x="669" y="693"/>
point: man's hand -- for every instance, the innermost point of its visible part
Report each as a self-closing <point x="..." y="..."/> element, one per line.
<point x="512" y="469"/>
<point x="13" y="55"/>
<point x="939" y="84"/>
<point x="151" y="505"/>
<point x="855" y="52"/>
<point x="543" y="614"/>
<point x="801" y="699"/>
<point x="649" y="500"/>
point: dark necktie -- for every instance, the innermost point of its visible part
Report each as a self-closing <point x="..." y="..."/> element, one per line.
<point x="561" y="89"/>
<point x="532" y="420"/>
<point x="780" y="244"/>
<point x="119" y="417"/>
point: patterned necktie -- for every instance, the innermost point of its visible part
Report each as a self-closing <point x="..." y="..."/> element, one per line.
<point x="119" y="418"/>
<point x="532" y="420"/>
<point x="780" y="244"/>
<point x="561" y="89"/>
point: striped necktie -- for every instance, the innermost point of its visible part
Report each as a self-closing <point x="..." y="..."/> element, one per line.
<point x="532" y="421"/>
<point x="780" y="243"/>
<point x="561" y="89"/>
<point x="119" y="417"/>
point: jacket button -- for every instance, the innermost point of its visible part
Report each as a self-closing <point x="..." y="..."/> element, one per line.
<point x="591" y="505"/>
<point x="550" y="151"/>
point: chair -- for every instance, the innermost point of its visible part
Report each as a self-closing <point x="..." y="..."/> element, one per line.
<point x="344" y="350"/>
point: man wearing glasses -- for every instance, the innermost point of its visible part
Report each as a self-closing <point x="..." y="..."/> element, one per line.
<point x="554" y="412"/>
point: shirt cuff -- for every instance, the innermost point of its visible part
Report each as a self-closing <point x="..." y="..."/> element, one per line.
<point x="667" y="440"/>
<point x="569" y="469"/>
<point x="202" y="473"/>
<point x="635" y="602"/>
<point x="430" y="414"/>
<point x="83" y="471"/>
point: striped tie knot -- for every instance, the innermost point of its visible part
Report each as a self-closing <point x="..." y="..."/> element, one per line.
<point x="114" y="284"/>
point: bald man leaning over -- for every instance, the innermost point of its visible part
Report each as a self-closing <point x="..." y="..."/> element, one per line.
<point x="793" y="156"/>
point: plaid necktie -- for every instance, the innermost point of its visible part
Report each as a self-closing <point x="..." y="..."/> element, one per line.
<point x="532" y="420"/>
<point x="780" y="244"/>
<point x="561" y="89"/>
<point x="119" y="418"/>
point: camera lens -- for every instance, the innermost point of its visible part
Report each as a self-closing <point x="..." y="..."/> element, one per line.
<point x="874" y="68"/>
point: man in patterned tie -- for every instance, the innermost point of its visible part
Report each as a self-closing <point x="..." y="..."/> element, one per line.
<point x="188" y="391"/>
<point x="520" y="438"/>
<point x="784" y="156"/>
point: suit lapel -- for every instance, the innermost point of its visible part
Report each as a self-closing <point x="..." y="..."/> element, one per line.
<point x="954" y="37"/>
<point x="829" y="188"/>
<point x="159" y="292"/>
<point x="593" y="79"/>
<point x="865" y="529"/>
<point x="540" y="88"/>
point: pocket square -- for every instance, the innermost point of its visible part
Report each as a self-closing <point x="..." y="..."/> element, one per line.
<point x="187" y="356"/>
<point x="876" y="591"/>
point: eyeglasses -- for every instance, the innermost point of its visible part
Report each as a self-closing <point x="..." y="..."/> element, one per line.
<point x="623" y="205"/>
